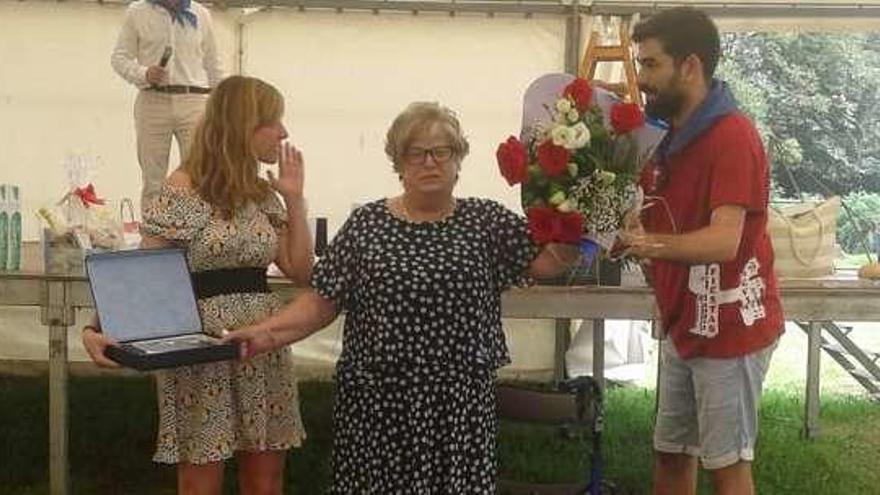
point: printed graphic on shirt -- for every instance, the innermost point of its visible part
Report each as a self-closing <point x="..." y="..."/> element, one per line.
<point x="704" y="283"/>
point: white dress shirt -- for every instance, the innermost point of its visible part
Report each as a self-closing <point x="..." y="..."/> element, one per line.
<point x="149" y="28"/>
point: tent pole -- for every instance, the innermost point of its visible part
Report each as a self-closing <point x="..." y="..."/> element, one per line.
<point x="573" y="26"/>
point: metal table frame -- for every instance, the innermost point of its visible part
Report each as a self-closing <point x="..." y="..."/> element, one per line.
<point x="812" y="301"/>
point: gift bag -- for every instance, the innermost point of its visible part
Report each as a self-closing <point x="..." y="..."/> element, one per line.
<point x="804" y="238"/>
<point x="79" y="222"/>
<point x="131" y="235"/>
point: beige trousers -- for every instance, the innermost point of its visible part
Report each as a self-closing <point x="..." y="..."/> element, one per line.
<point x="158" y="117"/>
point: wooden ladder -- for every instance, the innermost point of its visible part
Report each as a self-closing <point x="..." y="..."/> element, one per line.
<point x="620" y="52"/>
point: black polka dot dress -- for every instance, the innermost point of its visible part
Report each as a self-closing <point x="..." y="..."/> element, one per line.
<point x="415" y="400"/>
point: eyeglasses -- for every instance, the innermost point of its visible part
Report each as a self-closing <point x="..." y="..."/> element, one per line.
<point x="418" y="156"/>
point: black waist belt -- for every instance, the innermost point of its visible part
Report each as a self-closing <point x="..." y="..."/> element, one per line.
<point x="210" y="283"/>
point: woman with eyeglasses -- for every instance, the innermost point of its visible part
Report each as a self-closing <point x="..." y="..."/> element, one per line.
<point x="419" y="277"/>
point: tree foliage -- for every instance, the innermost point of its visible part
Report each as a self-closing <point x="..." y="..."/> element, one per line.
<point x="816" y="100"/>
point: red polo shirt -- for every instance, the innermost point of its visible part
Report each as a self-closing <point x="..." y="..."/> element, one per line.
<point x="715" y="310"/>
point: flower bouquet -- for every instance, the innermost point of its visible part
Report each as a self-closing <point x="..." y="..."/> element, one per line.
<point x="577" y="162"/>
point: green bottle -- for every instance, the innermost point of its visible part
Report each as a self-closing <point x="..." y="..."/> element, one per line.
<point x="4" y="227"/>
<point x="15" y="230"/>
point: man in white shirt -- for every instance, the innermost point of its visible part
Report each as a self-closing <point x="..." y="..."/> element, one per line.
<point x="166" y="48"/>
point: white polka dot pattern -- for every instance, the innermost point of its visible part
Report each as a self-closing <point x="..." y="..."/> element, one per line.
<point x="415" y="410"/>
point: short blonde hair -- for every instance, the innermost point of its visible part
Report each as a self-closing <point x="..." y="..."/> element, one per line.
<point x="418" y="118"/>
<point x="222" y="162"/>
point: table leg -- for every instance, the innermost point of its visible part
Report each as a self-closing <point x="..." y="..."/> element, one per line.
<point x="563" y="342"/>
<point x="58" y="475"/>
<point x="811" y="408"/>
<point x="57" y="315"/>
<point x="599" y="352"/>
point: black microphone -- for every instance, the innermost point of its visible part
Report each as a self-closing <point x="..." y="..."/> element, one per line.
<point x="166" y="55"/>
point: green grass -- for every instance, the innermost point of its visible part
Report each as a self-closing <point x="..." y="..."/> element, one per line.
<point x="844" y="460"/>
<point x="112" y="423"/>
<point x="851" y="261"/>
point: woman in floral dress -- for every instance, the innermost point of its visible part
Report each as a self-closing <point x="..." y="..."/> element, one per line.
<point x="233" y="226"/>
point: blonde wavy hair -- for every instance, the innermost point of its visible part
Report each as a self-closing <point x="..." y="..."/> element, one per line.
<point x="222" y="162"/>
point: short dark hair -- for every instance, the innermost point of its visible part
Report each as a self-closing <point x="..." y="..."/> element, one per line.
<point x="683" y="31"/>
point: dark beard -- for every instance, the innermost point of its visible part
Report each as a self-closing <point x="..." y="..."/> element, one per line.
<point x="665" y="106"/>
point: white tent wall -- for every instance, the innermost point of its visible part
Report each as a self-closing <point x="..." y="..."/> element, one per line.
<point x="348" y="75"/>
<point x="58" y="95"/>
<point x="345" y="76"/>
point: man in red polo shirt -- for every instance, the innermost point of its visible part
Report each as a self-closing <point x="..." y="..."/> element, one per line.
<point x="710" y="259"/>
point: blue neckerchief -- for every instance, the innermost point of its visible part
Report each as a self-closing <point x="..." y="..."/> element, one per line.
<point x="719" y="102"/>
<point x="180" y="13"/>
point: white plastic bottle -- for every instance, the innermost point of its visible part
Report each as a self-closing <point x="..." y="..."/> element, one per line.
<point x="14" y="229"/>
<point x="4" y="227"/>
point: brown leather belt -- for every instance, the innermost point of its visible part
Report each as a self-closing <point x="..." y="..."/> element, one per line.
<point x="178" y="89"/>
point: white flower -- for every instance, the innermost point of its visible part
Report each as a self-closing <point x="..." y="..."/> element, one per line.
<point x="563" y="105"/>
<point x="572" y="169"/>
<point x="573" y="115"/>
<point x="581" y="136"/>
<point x="571" y="138"/>
<point x="562" y="135"/>
<point x="566" y="206"/>
<point x="560" y="118"/>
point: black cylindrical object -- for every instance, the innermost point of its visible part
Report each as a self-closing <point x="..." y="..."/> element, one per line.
<point x="320" y="235"/>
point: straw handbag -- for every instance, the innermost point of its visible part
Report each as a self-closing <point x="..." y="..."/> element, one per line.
<point x="804" y="238"/>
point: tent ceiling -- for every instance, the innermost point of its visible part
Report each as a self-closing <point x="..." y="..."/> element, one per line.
<point x="724" y="8"/>
<point x="718" y="8"/>
<point x="731" y="15"/>
<point x="747" y="8"/>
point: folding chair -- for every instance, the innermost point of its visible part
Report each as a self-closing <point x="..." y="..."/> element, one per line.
<point x="575" y="408"/>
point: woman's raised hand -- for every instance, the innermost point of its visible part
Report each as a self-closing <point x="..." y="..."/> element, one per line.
<point x="291" y="176"/>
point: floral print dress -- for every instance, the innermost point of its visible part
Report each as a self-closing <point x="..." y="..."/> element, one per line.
<point x="207" y="412"/>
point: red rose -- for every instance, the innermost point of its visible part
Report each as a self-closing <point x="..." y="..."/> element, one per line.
<point x="570" y="228"/>
<point x="580" y="92"/>
<point x="549" y="225"/>
<point x="626" y="117"/>
<point x="511" y="156"/>
<point x="542" y="224"/>
<point x="552" y="159"/>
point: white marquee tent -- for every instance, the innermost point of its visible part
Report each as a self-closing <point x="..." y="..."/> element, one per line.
<point x="347" y="67"/>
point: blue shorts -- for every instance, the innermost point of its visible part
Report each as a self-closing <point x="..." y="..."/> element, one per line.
<point x="708" y="407"/>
